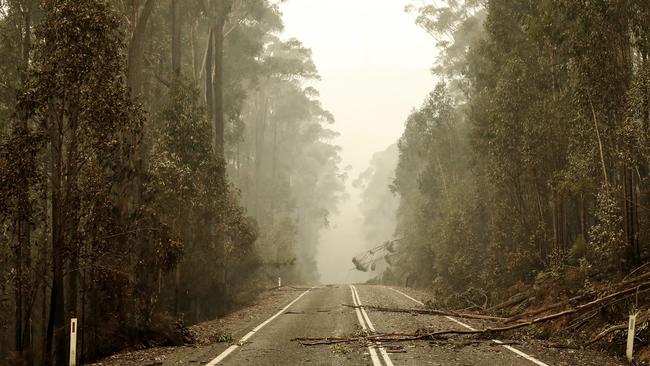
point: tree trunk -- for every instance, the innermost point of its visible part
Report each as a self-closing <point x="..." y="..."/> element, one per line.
<point x="23" y="249"/>
<point x="56" y="323"/>
<point x="209" y="100"/>
<point x="176" y="21"/>
<point x="223" y="8"/>
<point x="274" y="163"/>
<point x="217" y="82"/>
<point x="260" y="130"/>
<point x="631" y="217"/>
<point x="136" y="50"/>
<point x="583" y="216"/>
<point x="195" y="56"/>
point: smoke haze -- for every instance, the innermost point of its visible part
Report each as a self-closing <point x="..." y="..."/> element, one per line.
<point x="375" y="66"/>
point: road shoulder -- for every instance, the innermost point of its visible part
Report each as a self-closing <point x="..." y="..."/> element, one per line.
<point x="213" y="336"/>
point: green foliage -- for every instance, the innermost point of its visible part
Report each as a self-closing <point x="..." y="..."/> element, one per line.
<point x="607" y="235"/>
<point x="539" y="159"/>
<point x="127" y="215"/>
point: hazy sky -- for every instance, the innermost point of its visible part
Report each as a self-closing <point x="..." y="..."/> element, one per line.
<point x="374" y="62"/>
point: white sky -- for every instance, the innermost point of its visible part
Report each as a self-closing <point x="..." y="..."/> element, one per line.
<point x="374" y="63"/>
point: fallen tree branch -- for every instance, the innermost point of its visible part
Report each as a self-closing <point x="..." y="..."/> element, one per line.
<point x="626" y="283"/>
<point x="313" y="341"/>
<point x="514" y="300"/>
<point x="430" y="312"/>
<point x="642" y="319"/>
<point x="545" y="309"/>
<point x="581" y="307"/>
<point x="637" y="278"/>
<point x="402" y="337"/>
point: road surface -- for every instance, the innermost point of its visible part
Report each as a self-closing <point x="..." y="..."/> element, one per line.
<point x="264" y="335"/>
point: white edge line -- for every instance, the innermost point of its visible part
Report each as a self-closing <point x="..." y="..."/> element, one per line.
<point x="371" y="349"/>
<point x="511" y="349"/>
<point x="230" y="349"/>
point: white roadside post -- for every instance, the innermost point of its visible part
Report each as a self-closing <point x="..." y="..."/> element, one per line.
<point x="279" y="282"/>
<point x="630" y="338"/>
<point x="73" y="342"/>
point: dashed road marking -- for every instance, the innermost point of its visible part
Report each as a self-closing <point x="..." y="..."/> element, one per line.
<point x="509" y="348"/>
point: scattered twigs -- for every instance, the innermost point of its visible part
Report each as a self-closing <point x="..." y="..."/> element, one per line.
<point x="431" y="312"/>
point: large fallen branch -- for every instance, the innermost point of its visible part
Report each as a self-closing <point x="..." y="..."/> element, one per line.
<point x="545" y="309"/>
<point x="514" y="300"/>
<point x="579" y="308"/>
<point x="625" y="284"/>
<point x="637" y="286"/>
<point x="430" y="312"/>
<point x="401" y="337"/>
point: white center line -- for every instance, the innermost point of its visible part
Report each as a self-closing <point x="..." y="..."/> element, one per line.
<point x="230" y="349"/>
<point x="359" y="307"/>
<point x="511" y="349"/>
<point x="371" y="348"/>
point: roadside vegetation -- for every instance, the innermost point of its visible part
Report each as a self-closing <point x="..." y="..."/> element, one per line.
<point x="523" y="177"/>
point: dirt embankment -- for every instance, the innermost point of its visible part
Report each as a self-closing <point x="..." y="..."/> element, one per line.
<point x="564" y="312"/>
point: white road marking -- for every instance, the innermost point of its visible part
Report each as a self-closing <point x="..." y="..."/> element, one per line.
<point x="230" y="349"/>
<point x="509" y="348"/>
<point x="371" y="349"/>
<point x="382" y="350"/>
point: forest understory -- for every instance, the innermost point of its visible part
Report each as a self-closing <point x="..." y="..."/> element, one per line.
<point x="557" y="309"/>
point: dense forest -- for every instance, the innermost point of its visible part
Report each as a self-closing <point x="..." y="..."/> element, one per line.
<point x="529" y="160"/>
<point x="161" y="161"/>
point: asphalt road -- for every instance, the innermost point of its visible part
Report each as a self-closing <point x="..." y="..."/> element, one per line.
<point x="319" y="312"/>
